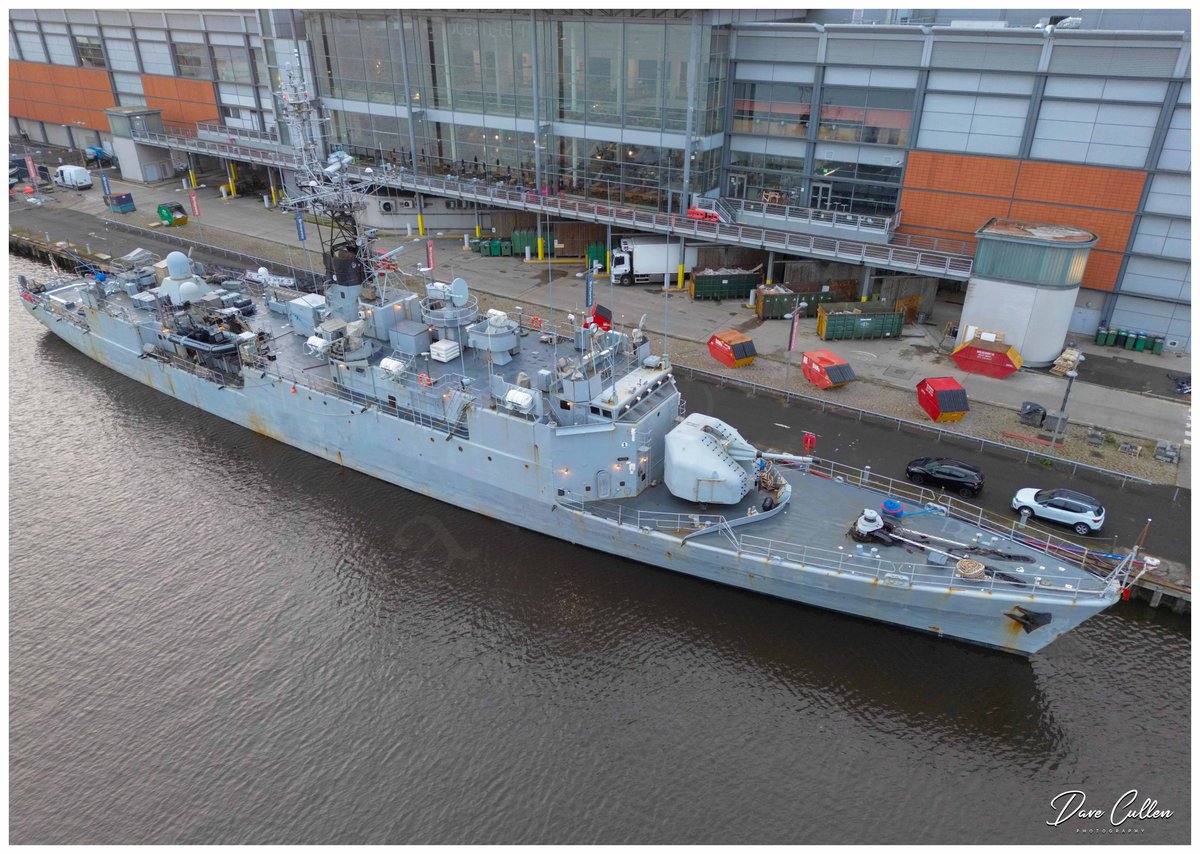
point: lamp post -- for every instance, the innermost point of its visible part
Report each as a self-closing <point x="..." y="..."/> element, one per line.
<point x="1062" y="412"/>
<point x="799" y="310"/>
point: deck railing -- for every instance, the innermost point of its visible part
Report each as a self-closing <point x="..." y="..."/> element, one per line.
<point x="1017" y="531"/>
<point x="860" y="560"/>
<point x="866" y="562"/>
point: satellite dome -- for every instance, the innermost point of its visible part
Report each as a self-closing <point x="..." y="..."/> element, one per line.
<point x="178" y="265"/>
<point x="190" y="291"/>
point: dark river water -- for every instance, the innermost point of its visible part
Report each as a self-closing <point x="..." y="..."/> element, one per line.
<point x="215" y="638"/>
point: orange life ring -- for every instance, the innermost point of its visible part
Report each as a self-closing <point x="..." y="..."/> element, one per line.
<point x="424" y="380"/>
<point x="535" y="322"/>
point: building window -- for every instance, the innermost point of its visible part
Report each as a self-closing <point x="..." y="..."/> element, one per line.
<point x="232" y="64"/>
<point x="192" y="60"/>
<point x="859" y="114"/>
<point x="775" y="109"/>
<point x="91" y="54"/>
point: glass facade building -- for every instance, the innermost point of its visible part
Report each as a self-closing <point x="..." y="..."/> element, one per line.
<point x="940" y="120"/>
<point x="610" y="114"/>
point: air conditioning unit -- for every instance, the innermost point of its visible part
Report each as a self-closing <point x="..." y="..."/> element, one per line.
<point x="387" y="205"/>
<point x="406" y="203"/>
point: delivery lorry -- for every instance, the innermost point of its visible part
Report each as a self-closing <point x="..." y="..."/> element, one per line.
<point x="653" y="260"/>
<point x="75" y="177"/>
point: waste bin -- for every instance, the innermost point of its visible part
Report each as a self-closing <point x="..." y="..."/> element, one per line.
<point x="1101" y="334"/>
<point x="505" y="247"/>
<point x="1130" y="340"/>
<point x="1158" y="345"/>
<point x="1122" y="336"/>
<point x="1111" y="338"/>
<point x="1141" y="342"/>
<point x="495" y="247"/>
<point x="1032" y="414"/>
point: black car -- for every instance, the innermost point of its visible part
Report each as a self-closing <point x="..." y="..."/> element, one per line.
<point x="955" y="475"/>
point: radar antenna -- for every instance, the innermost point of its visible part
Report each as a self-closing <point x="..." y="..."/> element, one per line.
<point x="331" y="188"/>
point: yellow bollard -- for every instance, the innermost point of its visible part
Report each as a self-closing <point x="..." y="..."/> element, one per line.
<point x="478" y="231"/>
<point x="679" y="281"/>
<point x="541" y="248"/>
<point x="192" y="176"/>
<point x="421" y="224"/>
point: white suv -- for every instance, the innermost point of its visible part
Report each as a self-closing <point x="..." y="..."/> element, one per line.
<point x="1078" y="511"/>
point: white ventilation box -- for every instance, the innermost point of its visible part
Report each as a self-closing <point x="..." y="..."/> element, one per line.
<point x="444" y="351"/>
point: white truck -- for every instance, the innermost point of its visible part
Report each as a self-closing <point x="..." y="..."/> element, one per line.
<point x="642" y="260"/>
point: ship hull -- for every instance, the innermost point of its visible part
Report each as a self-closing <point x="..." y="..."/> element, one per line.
<point x="514" y="484"/>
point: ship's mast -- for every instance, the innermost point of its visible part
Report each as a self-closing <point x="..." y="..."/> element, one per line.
<point x="329" y="188"/>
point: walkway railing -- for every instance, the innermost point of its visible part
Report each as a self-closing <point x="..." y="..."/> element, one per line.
<point x="799" y="215"/>
<point x="500" y="194"/>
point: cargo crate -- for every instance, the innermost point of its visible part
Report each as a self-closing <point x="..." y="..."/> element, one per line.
<point x="841" y="320"/>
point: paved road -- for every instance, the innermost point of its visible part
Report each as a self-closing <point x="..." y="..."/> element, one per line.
<point x="769" y="423"/>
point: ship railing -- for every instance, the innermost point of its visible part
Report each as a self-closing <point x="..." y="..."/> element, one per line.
<point x="1018" y="531"/>
<point x="218" y="378"/>
<point x="129" y="314"/>
<point x="870" y="565"/>
<point x="366" y="401"/>
<point x="74" y="315"/>
<point x="650" y="520"/>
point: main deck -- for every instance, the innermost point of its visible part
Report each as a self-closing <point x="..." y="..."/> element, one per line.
<point x="813" y="529"/>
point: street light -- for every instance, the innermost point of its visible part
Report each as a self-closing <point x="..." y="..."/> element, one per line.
<point x="1062" y="412"/>
<point x="798" y="311"/>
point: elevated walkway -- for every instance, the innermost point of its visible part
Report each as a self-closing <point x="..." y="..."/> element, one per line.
<point x="899" y="257"/>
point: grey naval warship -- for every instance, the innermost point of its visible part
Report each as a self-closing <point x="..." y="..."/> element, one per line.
<point x="572" y="429"/>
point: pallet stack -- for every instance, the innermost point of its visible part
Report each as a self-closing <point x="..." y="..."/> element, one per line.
<point x="1066" y="362"/>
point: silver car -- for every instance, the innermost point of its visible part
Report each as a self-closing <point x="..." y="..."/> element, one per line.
<point x="1080" y="512"/>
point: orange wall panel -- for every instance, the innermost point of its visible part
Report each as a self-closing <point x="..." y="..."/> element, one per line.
<point x="953" y="195"/>
<point x="59" y="94"/>
<point x="962" y="215"/>
<point x="183" y="102"/>
<point x="1084" y="186"/>
<point x="1102" y="269"/>
<point x="985" y="176"/>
